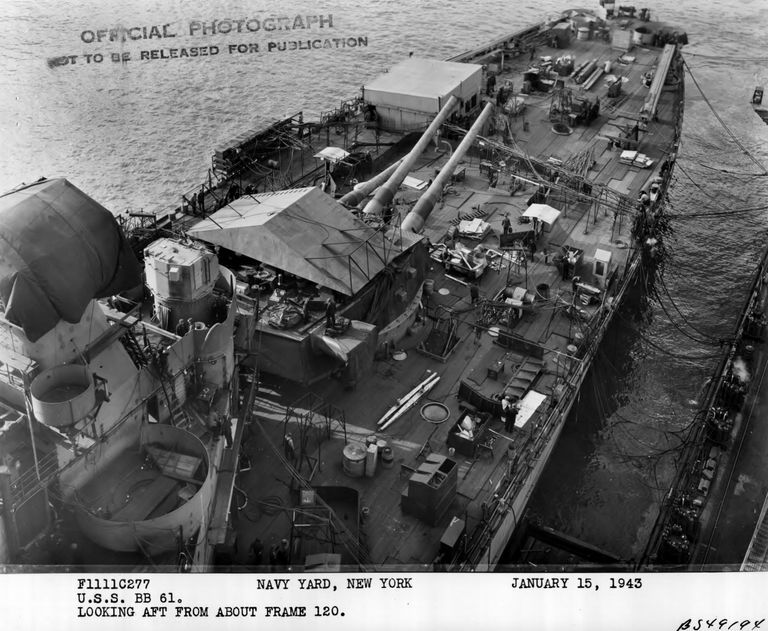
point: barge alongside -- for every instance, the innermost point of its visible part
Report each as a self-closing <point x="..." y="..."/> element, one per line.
<point x="410" y="360"/>
<point x="715" y="460"/>
<point x="710" y="510"/>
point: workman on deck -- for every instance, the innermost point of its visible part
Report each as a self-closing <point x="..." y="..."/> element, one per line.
<point x="290" y="448"/>
<point x="506" y="225"/>
<point x="225" y="428"/>
<point x="478" y="333"/>
<point x="201" y="201"/>
<point x="453" y="233"/>
<point x="491" y="85"/>
<point x="474" y="292"/>
<point x="278" y="555"/>
<point x="181" y="328"/>
<point x="508" y="413"/>
<point x="283" y="553"/>
<point x="330" y="313"/>
<point x="256" y="552"/>
<point x="501" y="97"/>
<point x="575" y="285"/>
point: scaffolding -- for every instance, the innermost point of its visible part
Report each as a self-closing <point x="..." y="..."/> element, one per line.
<point x="315" y="421"/>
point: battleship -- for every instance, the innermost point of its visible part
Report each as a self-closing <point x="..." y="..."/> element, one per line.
<point x="354" y="347"/>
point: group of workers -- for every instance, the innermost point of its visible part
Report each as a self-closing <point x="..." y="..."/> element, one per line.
<point x="530" y="240"/>
<point x="279" y="554"/>
<point x="196" y="201"/>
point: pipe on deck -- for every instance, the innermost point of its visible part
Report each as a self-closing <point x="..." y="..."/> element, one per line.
<point x="415" y="220"/>
<point x="386" y="193"/>
<point x="362" y="190"/>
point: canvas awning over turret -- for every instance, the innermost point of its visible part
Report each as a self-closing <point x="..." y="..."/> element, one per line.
<point x="303" y="232"/>
<point x="59" y="249"/>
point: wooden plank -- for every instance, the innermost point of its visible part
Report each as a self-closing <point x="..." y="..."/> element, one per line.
<point x="175" y="465"/>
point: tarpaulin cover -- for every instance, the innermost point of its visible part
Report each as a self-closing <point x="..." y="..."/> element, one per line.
<point x="332" y="154"/>
<point x="59" y="249"/>
<point x="305" y="233"/>
<point x="354" y="348"/>
<point x="528" y="406"/>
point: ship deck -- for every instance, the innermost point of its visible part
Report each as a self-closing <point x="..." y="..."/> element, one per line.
<point x="554" y="327"/>
<point x="396" y="539"/>
<point x="617" y="115"/>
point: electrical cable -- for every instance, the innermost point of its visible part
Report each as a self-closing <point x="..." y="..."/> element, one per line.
<point x="734" y="173"/>
<point x="711" y="338"/>
<point x="725" y="58"/>
<point x="722" y="122"/>
<point x="718" y="214"/>
<point x="691" y="359"/>
<point x="698" y="186"/>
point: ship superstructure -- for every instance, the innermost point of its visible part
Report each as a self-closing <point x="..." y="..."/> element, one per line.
<point x="114" y="420"/>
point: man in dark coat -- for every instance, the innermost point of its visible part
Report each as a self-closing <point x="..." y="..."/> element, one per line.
<point x="201" y="201"/>
<point x="509" y="413"/>
<point x="474" y="292"/>
<point x="330" y="313"/>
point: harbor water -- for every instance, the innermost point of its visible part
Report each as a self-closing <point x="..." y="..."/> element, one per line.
<point x="138" y="133"/>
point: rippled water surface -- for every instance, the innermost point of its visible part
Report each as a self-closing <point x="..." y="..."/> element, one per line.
<point x="139" y="134"/>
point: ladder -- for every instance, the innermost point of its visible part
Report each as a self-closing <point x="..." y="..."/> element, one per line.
<point x="28" y="484"/>
<point x="135" y="352"/>
<point x="177" y="414"/>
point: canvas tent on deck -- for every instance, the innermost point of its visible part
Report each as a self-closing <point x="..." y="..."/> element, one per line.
<point x="542" y="212"/>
